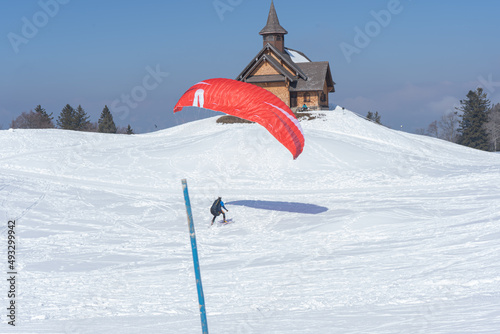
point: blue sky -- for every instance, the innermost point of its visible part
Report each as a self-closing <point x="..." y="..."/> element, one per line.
<point x="412" y="61"/>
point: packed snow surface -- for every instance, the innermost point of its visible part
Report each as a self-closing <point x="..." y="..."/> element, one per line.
<point x="370" y="230"/>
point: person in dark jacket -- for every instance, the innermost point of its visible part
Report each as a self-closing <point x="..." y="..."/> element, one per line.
<point x="216" y="209"/>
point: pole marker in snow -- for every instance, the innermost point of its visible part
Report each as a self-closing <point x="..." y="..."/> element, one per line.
<point x="201" y="298"/>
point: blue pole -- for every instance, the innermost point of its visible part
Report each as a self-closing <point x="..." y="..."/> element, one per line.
<point x="201" y="298"/>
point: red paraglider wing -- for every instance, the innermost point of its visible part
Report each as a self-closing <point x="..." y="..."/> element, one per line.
<point x="249" y="102"/>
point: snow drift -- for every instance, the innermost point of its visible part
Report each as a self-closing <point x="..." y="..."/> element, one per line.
<point x="407" y="240"/>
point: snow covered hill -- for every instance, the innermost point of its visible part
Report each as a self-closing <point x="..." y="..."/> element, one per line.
<point x="370" y="230"/>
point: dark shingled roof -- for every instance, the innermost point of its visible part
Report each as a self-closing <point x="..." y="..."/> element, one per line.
<point x="317" y="72"/>
<point x="308" y="76"/>
<point x="273" y="24"/>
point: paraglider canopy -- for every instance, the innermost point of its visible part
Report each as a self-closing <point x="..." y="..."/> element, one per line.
<point x="249" y="102"/>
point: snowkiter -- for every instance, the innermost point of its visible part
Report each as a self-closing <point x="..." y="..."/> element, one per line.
<point x="216" y="209"/>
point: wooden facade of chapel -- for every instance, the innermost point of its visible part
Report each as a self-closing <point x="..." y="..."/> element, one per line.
<point x="288" y="73"/>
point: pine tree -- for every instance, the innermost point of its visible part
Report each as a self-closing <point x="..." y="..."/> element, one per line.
<point x="66" y="119"/>
<point x="374" y="117"/>
<point x="130" y="131"/>
<point x="106" y="123"/>
<point x="474" y="117"/>
<point x="33" y="120"/>
<point x="44" y="119"/>
<point x="82" y="122"/>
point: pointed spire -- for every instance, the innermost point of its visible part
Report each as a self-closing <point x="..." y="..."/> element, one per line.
<point x="273" y="24"/>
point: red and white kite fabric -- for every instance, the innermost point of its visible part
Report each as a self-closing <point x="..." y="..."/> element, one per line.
<point x="249" y="102"/>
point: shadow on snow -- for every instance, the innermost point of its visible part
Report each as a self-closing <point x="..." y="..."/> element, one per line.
<point x="282" y="206"/>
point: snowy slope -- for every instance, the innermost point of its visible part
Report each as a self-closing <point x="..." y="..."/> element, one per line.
<point x="406" y="238"/>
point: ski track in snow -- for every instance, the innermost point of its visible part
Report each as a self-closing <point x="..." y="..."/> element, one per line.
<point x="410" y="242"/>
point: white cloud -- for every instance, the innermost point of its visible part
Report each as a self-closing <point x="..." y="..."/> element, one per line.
<point x="445" y="105"/>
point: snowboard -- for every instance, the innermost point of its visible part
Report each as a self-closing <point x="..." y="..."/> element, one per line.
<point x="221" y="222"/>
<point x="228" y="221"/>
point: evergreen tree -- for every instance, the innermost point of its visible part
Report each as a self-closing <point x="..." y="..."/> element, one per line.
<point x="130" y="131"/>
<point x="66" y="119"/>
<point x="33" y="120"/>
<point x="82" y="122"/>
<point x="473" y="116"/>
<point x="44" y="119"/>
<point x="106" y="123"/>
<point x="374" y="117"/>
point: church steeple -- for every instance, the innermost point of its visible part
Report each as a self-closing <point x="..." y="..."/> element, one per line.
<point x="273" y="33"/>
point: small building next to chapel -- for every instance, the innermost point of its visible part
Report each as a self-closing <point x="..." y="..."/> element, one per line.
<point x="288" y="73"/>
